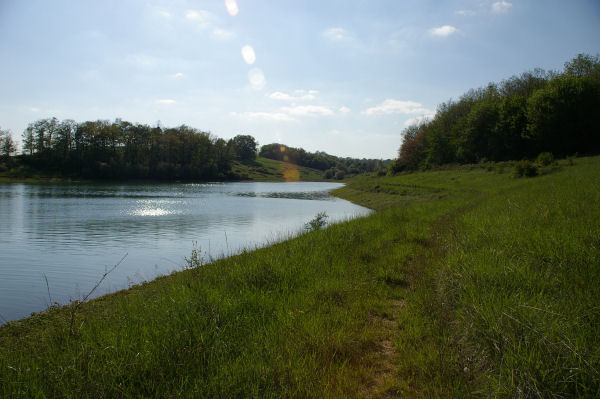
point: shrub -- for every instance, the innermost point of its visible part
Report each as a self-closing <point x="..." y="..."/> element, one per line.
<point x="317" y="223"/>
<point x="339" y="175"/>
<point x="525" y="169"/>
<point x="545" y="159"/>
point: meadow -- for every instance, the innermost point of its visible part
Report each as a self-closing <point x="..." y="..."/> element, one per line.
<point x="465" y="282"/>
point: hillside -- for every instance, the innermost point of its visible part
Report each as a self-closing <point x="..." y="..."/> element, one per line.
<point x="264" y="169"/>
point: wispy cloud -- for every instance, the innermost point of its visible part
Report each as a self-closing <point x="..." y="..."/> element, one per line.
<point x="177" y="75"/>
<point x="268" y="116"/>
<point x="202" y="18"/>
<point x="443" y="31"/>
<point x="294" y="112"/>
<point x="298" y="95"/>
<point x="337" y="34"/>
<point x="465" y="13"/>
<point x="222" y="34"/>
<point x="165" y="101"/>
<point x="391" y="106"/>
<point x="308" y="110"/>
<point x="164" y="13"/>
<point x="500" y="7"/>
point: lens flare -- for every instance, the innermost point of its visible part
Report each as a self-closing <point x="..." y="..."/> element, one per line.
<point x="257" y="79"/>
<point x="232" y="7"/>
<point x="248" y="54"/>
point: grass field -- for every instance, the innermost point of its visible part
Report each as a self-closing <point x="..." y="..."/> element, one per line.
<point x="466" y="282"/>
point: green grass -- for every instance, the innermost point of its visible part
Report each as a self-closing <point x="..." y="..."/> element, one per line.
<point x="466" y="282"/>
<point x="265" y="169"/>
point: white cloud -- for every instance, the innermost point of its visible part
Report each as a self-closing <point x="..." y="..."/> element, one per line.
<point x="248" y="54"/>
<point x="203" y="19"/>
<point x="299" y="95"/>
<point x="177" y="75"/>
<point x="501" y="7"/>
<point x="164" y="14"/>
<point x="222" y="34"/>
<point x="232" y="7"/>
<point x="443" y="31"/>
<point x="391" y="106"/>
<point x="417" y="120"/>
<point x="257" y="79"/>
<point x="308" y="110"/>
<point x="344" y="110"/>
<point x="336" y="34"/>
<point x="334" y="132"/>
<point x="268" y="116"/>
<point x="165" y="101"/>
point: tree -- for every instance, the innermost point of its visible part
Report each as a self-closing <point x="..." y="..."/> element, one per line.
<point x="583" y="65"/>
<point x="245" y="147"/>
<point x="7" y="145"/>
<point x="563" y="118"/>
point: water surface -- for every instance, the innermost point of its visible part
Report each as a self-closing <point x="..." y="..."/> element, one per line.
<point x="70" y="234"/>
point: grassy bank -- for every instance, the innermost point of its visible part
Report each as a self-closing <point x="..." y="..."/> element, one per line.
<point x="466" y="282"/>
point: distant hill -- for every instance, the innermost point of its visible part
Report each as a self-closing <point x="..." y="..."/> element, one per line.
<point x="264" y="169"/>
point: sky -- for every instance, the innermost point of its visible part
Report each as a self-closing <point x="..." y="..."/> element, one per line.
<point x="341" y="76"/>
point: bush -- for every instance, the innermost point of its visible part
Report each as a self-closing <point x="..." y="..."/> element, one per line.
<point x="317" y="223"/>
<point x="545" y="159"/>
<point x="525" y="169"/>
<point x="339" y="175"/>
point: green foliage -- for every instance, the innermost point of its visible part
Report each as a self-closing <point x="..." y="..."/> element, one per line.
<point x="525" y="168"/>
<point x="545" y="159"/>
<point x="121" y="150"/>
<point x="321" y="160"/>
<point x="563" y="117"/>
<point x="518" y="118"/>
<point x="319" y="221"/>
<point x="245" y="147"/>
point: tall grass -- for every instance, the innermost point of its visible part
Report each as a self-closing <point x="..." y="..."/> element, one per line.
<point x="466" y="282"/>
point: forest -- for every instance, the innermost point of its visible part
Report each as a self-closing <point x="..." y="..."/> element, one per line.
<point x="518" y="118"/>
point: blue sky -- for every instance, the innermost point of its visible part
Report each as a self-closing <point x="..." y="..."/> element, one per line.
<point x="341" y="76"/>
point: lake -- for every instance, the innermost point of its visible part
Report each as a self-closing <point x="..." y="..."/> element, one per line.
<point x="70" y="234"/>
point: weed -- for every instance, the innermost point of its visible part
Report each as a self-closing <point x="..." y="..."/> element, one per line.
<point x="319" y="221"/>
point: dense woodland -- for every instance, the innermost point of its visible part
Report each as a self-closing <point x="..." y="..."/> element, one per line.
<point x="518" y="118"/>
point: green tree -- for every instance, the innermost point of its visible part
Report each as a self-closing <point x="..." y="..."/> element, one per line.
<point x="563" y="118"/>
<point x="7" y="145"/>
<point x="245" y="147"/>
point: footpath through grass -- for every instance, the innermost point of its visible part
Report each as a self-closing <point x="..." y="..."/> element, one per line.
<point x="465" y="283"/>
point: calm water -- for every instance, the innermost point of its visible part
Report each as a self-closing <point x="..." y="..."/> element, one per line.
<point x="72" y="233"/>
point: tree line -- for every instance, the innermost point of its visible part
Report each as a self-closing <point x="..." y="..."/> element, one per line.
<point x="122" y="150"/>
<point x="333" y="167"/>
<point x="518" y="118"/>
<point x="118" y="149"/>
